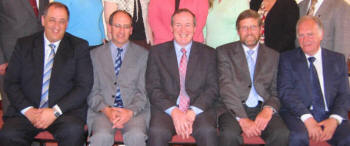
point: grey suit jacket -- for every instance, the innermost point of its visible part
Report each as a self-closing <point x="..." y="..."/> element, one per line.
<point x="234" y="78"/>
<point x="17" y="19"/>
<point x="131" y="80"/>
<point x="335" y="16"/>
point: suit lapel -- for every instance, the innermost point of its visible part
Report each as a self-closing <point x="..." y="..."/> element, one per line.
<point x="325" y="8"/>
<point x="172" y="60"/>
<point x="304" y="7"/>
<point x="38" y="61"/>
<point x="326" y="64"/>
<point x="240" y="59"/>
<point x="64" y="52"/>
<point x="107" y="62"/>
<point x="193" y="61"/>
<point x="302" y="69"/>
<point x="28" y="7"/>
<point x="259" y="63"/>
<point x="128" y="57"/>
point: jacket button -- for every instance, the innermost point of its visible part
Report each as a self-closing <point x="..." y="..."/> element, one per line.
<point x="115" y="83"/>
<point x="250" y="85"/>
<point x="113" y="96"/>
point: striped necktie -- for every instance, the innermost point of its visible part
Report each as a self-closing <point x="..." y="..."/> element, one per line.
<point x="46" y="78"/>
<point x="312" y="8"/>
<point x="117" y="65"/>
<point x="184" y="99"/>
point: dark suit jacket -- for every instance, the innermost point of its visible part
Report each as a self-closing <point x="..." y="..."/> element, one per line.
<point x="163" y="82"/>
<point x="17" y="19"/>
<point x="280" y="22"/>
<point x="294" y="83"/>
<point x="234" y="78"/>
<point x="71" y="78"/>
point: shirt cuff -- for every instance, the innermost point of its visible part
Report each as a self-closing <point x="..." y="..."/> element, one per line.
<point x="337" y="117"/>
<point x="57" y="108"/>
<point x="237" y="118"/>
<point x="169" y="110"/>
<point x="273" y="109"/>
<point x="304" y="117"/>
<point x="23" y="111"/>
<point x="196" y="110"/>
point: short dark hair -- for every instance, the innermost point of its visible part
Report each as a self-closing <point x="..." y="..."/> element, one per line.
<point x="248" y="14"/>
<point x="183" y="10"/>
<point x="308" y="17"/>
<point x="118" y="11"/>
<point x="56" y="5"/>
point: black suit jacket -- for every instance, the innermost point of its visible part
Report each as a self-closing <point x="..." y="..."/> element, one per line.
<point x="71" y="78"/>
<point x="163" y="82"/>
<point x="280" y="22"/>
<point x="294" y="83"/>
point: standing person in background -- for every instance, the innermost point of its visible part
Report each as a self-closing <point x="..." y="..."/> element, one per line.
<point x="18" y="18"/>
<point x="141" y="33"/>
<point x="279" y="19"/>
<point x="335" y="17"/>
<point x="221" y="21"/>
<point x="86" y="20"/>
<point x="159" y="15"/>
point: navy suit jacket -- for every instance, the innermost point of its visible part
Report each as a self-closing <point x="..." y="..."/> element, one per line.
<point x="71" y="78"/>
<point x="294" y="83"/>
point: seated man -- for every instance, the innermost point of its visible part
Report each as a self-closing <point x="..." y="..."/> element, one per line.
<point x="181" y="82"/>
<point x="314" y="89"/>
<point x="118" y="98"/>
<point x="247" y="80"/>
<point x="47" y="82"/>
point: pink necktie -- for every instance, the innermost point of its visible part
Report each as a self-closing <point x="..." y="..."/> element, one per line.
<point x="184" y="99"/>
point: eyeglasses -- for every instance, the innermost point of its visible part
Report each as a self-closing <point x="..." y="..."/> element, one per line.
<point x="125" y="26"/>
<point x="252" y="28"/>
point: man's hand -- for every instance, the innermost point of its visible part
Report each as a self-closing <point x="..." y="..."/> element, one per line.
<point x="314" y="130"/>
<point x="47" y="117"/>
<point x="124" y="115"/>
<point x="3" y="68"/>
<point x="249" y="127"/>
<point x="329" y="126"/>
<point x="263" y="118"/>
<point x="180" y="122"/>
<point x="110" y="113"/>
<point x="32" y="115"/>
<point x="190" y="117"/>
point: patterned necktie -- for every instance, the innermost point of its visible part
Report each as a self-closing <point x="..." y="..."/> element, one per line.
<point x="312" y="8"/>
<point x="318" y="109"/>
<point x="34" y="6"/>
<point x="46" y="78"/>
<point x="117" y="65"/>
<point x="184" y="99"/>
<point x="252" y="100"/>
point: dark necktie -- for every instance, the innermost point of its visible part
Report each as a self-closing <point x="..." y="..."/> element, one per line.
<point x="34" y="6"/>
<point x="117" y="65"/>
<point x="318" y="109"/>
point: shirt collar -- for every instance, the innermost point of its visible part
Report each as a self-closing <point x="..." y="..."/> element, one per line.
<point x="47" y="42"/>
<point x="178" y="47"/>
<point x="124" y="47"/>
<point x="246" y="49"/>
<point x="318" y="55"/>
